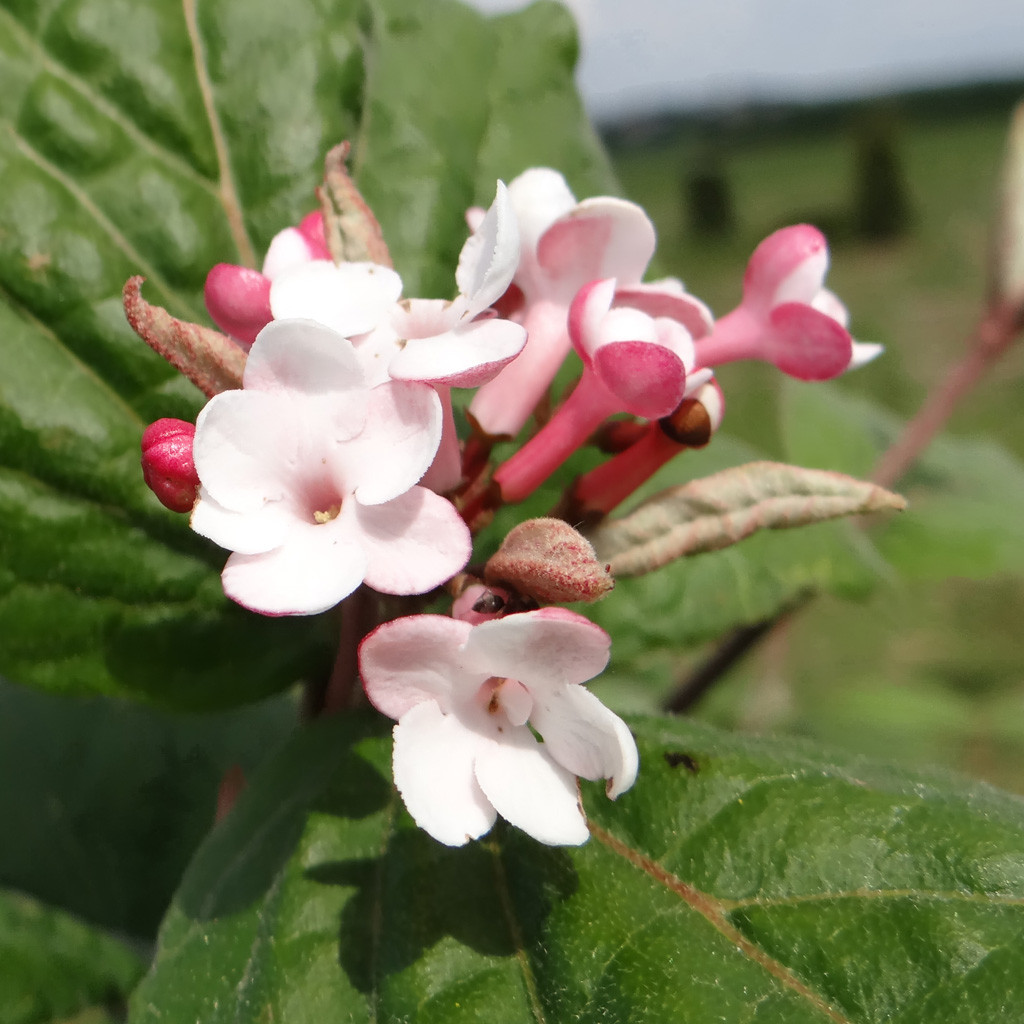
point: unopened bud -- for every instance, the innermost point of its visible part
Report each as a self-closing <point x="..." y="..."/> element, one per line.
<point x="696" y="418"/>
<point x="167" y="464"/>
<point x="1006" y="285"/>
<point x="549" y="561"/>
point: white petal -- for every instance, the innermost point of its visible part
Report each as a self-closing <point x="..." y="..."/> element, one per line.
<point x="302" y="355"/>
<point x="550" y="647"/>
<point x="413" y="543"/>
<point x="529" y="790"/>
<point x="582" y="735"/>
<point x="288" y="248"/>
<point x="490" y="256"/>
<point x="397" y="445"/>
<point x="414" y="659"/>
<point x="433" y="766"/>
<point x="247" y="532"/>
<point x="465" y="357"/>
<point x="245" y="445"/>
<point x="352" y="298"/>
<point x="804" y="281"/>
<point x="539" y="197"/>
<point x="317" y="566"/>
<point x="830" y="304"/>
<point x="864" y="352"/>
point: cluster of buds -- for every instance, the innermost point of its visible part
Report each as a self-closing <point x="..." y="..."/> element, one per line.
<point x="336" y="463"/>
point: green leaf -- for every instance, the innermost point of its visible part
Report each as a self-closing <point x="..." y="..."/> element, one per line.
<point x="723" y="509"/>
<point x="159" y="139"/>
<point x="740" y="879"/>
<point x="104" y="803"/>
<point x="54" y="966"/>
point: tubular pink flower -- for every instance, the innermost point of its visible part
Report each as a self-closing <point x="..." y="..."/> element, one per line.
<point x="310" y="477"/>
<point x="786" y="317"/>
<point x="564" y="244"/>
<point x="167" y="464"/>
<point x="468" y="698"/>
<point x="598" y="492"/>
<point x="632" y="362"/>
<point x="238" y="298"/>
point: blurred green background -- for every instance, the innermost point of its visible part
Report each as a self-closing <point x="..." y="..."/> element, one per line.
<point x="925" y="669"/>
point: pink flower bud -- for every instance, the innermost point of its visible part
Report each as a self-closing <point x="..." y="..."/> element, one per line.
<point x="238" y="300"/>
<point x="167" y="464"/>
<point x="311" y="227"/>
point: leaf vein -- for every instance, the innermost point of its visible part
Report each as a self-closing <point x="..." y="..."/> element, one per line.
<point x="105" y="107"/>
<point x="226" y="187"/>
<point x="516" y="933"/>
<point x="114" y="233"/>
<point x="715" y="913"/>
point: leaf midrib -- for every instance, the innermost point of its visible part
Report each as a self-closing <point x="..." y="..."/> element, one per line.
<point x="713" y="911"/>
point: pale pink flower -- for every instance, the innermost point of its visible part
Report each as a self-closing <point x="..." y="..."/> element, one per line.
<point x="310" y="477"/>
<point x="468" y="700"/>
<point x="238" y="298"/>
<point x="563" y="245"/>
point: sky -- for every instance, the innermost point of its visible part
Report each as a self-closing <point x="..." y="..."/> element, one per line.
<point x="640" y="55"/>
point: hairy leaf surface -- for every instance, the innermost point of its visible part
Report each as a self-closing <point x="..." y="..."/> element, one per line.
<point x="161" y="138"/>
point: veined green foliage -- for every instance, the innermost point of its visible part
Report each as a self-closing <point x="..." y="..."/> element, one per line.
<point x="159" y="139"/>
<point x="738" y="880"/>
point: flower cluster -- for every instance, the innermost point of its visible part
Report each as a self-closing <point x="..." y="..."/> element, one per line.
<point x="337" y="464"/>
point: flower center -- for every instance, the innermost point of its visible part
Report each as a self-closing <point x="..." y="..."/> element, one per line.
<point x="507" y="697"/>
<point x="328" y="514"/>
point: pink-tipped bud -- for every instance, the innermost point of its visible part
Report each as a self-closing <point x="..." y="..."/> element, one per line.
<point x="167" y="464"/>
<point x="238" y="300"/>
<point x="311" y="227"/>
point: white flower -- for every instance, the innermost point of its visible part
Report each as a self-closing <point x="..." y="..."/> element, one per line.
<point x="309" y="476"/>
<point x="469" y="700"/>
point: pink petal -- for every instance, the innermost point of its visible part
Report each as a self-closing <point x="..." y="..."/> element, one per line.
<point x="311" y="228"/>
<point x="807" y="344"/>
<point x="792" y="260"/>
<point x="539" y="649"/>
<point x="302" y="355"/>
<point x="539" y="197"/>
<point x="530" y="791"/>
<point x="586" y="315"/>
<point x="445" y="472"/>
<point x="398" y="442"/>
<point x="601" y="237"/>
<point x="238" y="300"/>
<point x="352" y="298"/>
<point x="504" y="404"/>
<point x="317" y="566"/>
<point x="411" y="660"/>
<point x="466" y="357"/>
<point x="660" y="300"/>
<point x="413" y="543"/>
<point x="582" y="735"/>
<point x="433" y="767"/>
<point x="648" y="379"/>
<point x="489" y="257"/>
